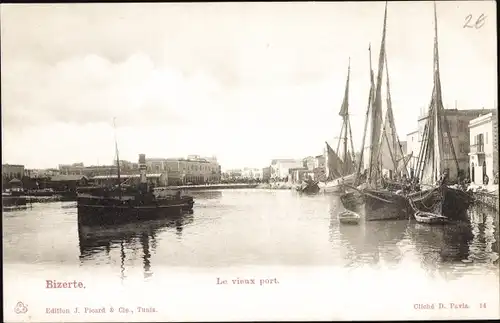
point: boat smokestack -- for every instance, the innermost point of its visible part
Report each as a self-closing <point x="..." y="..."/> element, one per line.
<point x="142" y="168"/>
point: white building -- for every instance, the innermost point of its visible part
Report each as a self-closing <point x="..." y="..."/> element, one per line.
<point x="483" y="155"/>
<point x="252" y="173"/>
<point x="412" y="147"/>
<point x="280" y="168"/>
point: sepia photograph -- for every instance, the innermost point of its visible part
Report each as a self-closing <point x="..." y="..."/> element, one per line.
<point x="250" y="161"/>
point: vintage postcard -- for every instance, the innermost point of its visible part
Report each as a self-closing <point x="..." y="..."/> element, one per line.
<point x="262" y="161"/>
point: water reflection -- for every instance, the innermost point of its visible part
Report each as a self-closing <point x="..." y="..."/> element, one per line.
<point x="484" y="245"/>
<point x="441" y="247"/>
<point x="450" y="250"/>
<point x="370" y="242"/>
<point x="95" y="241"/>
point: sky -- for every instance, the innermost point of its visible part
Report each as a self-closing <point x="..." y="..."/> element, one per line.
<point x="246" y="82"/>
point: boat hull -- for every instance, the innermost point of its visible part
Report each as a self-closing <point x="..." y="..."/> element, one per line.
<point x="352" y="201"/>
<point x="377" y="204"/>
<point x="443" y="200"/>
<point x="430" y="218"/>
<point x="349" y="217"/>
<point x="395" y="206"/>
<point x="12" y="201"/>
<point x="93" y="211"/>
<point x="337" y="185"/>
<point x="312" y="188"/>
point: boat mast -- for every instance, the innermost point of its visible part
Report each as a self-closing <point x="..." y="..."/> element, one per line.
<point x="117" y="162"/>
<point x="389" y="117"/>
<point x="370" y="99"/>
<point x="377" y="111"/>
<point x="431" y="160"/>
<point x="344" y="113"/>
<point x="439" y="98"/>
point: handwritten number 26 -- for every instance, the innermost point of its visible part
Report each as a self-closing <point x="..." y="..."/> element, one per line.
<point x="479" y="22"/>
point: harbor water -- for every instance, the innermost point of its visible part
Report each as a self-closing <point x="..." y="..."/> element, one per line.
<point x="251" y="227"/>
<point x="306" y="265"/>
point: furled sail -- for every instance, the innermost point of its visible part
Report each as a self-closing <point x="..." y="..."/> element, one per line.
<point x="390" y="150"/>
<point x="364" y="159"/>
<point x="384" y="145"/>
<point x="432" y="161"/>
<point x="333" y="163"/>
<point x="349" y="165"/>
<point x="341" y="162"/>
<point x="347" y="153"/>
<point x="377" y="119"/>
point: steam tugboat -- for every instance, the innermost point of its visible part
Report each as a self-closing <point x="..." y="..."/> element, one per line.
<point x="128" y="203"/>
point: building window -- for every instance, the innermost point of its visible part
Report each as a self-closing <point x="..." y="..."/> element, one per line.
<point x="446" y="146"/>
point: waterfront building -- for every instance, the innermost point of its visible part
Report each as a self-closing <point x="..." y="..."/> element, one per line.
<point x="309" y="162"/>
<point x="483" y="155"/>
<point x="10" y="171"/>
<point x="67" y="182"/>
<point x="458" y="121"/>
<point x="252" y="173"/>
<point x="178" y="171"/>
<point x="319" y="161"/>
<point x="91" y="171"/>
<point x="156" y="164"/>
<point x="413" y="148"/>
<point x="233" y="174"/>
<point x="280" y="167"/>
<point x="194" y="170"/>
<point x="266" y="173"/>
<point x="41" y="173"/>
<point x="297" y="175"/>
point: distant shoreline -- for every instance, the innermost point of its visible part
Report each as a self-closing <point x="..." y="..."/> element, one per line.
<point x="282" y="186"/>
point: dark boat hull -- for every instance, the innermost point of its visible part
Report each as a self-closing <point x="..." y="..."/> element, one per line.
<point x="93" y="211"/>
<point x="377" y="204"/>
<point x="352" y="201"/>
<point x="13" y="201"/>
<point x="312" y="188"/>
<point x="395" y="206"/>
<point x="449" y="202"/>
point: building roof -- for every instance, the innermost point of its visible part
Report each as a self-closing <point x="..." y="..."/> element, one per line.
<point x="480" y="119"/>
<point x="456" y="112"/>
<point x="125" y="176"/>
<point x="285" y="160"/>
<point x="15" y="181"/>
<point x="67" y="178"/>
<point x="15" y="165"/>
<point x="297" y="168"/>
<point x="201" y="160"/>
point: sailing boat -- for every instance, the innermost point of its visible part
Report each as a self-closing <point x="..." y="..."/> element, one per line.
<point x="340" y="171"/>
<point x="433" y="168"/>
<point x="127" y="203"/>
<point x="379" y="203"/>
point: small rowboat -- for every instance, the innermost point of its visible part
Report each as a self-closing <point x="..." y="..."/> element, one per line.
<point x="349" y="217"/>
<point x="430" y="218"/>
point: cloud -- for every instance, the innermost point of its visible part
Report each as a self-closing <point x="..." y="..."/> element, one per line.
<point x="91" y="89"/>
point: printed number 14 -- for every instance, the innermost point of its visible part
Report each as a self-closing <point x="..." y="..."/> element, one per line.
<point x="482" y="305"/>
